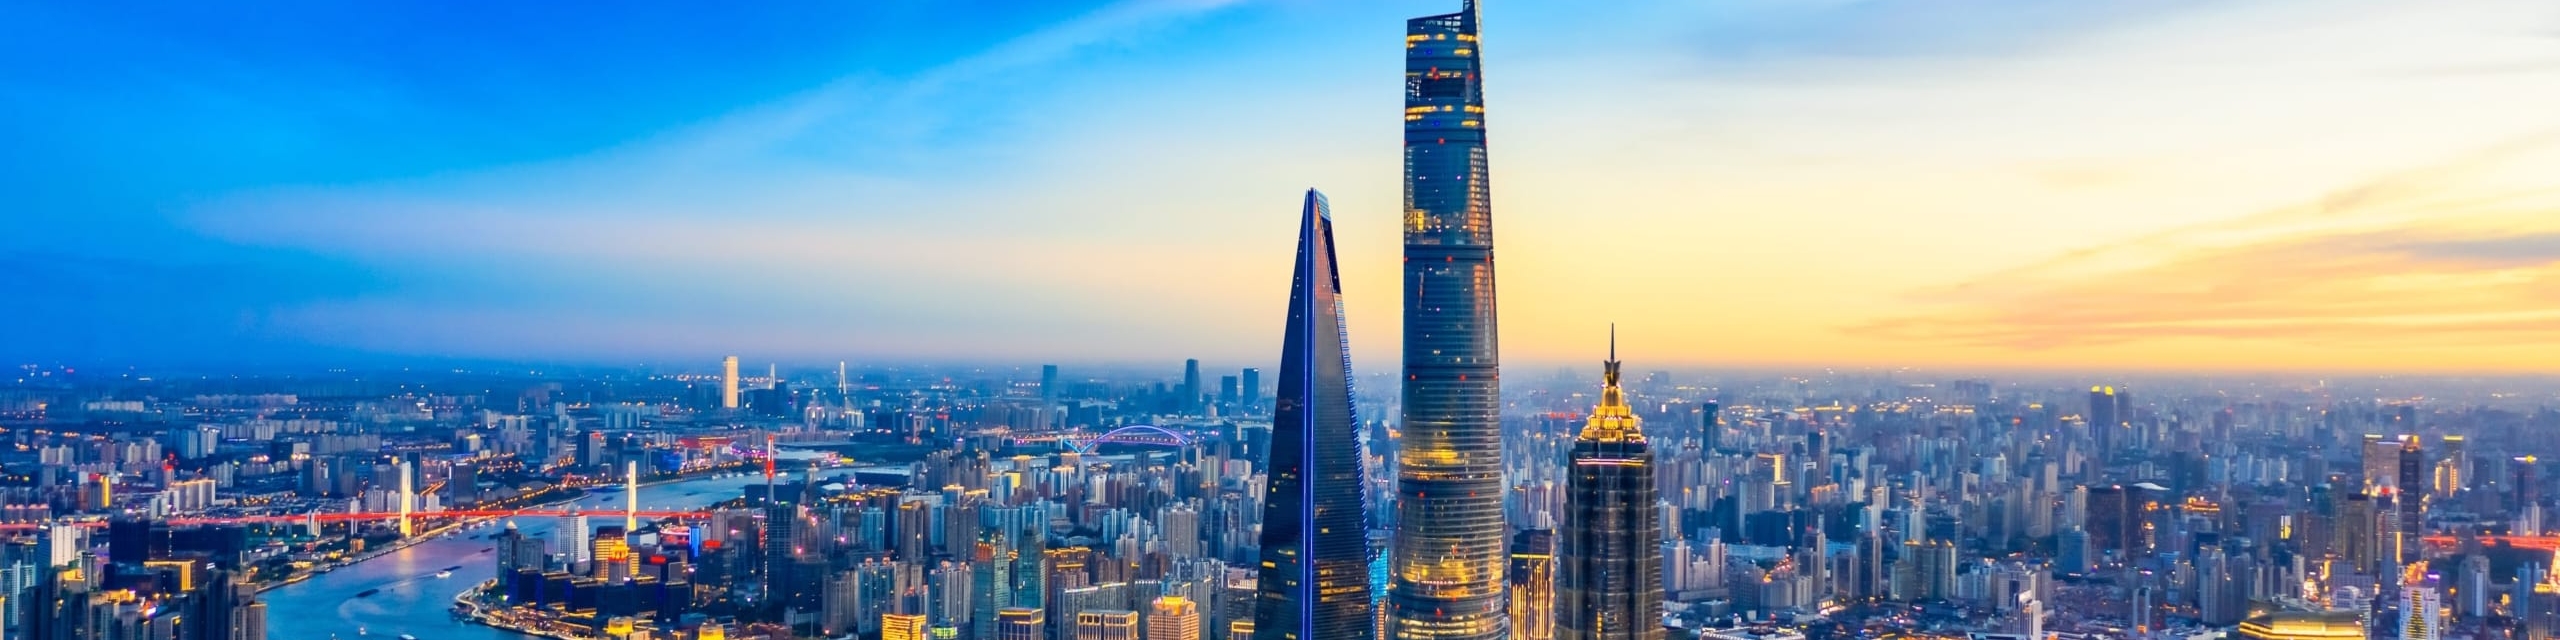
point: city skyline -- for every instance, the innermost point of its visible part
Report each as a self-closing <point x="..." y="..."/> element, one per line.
<point x="1862" y="187"/>
<point x="1929" y="201"/>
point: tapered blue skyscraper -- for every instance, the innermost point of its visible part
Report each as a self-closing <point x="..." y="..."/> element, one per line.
<point x="1315" y="543"/>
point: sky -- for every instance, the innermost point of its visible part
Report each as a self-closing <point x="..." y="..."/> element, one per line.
<point x="2151" y="185"/>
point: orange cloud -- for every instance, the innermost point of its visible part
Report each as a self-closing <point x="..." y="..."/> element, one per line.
<point x="2442" y="258"/>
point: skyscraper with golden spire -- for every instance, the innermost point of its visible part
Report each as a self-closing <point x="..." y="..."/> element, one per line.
<point x="1608" y="576"/>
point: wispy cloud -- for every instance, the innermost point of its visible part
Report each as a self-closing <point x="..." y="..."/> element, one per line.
<point x="2442" y="255"/>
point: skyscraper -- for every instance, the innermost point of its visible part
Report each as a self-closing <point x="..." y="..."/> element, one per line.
<point x="2103" y="421"/>
<point x="1049" y="381"/>
<point x="1252" y="387"/>
<point x="1608" y="572"/>
<point x="729" y="382"/>
<point x="1315" y="548"/>
<point x="1533" y="585"/>
<point x="1021" y="623"/>
<point x="2421" y="613"/>
<point x="1174" y="618"/>
<point x="573" y="538"/>
<point x="1190" y="385"/>
<point x="2412" y="495"/>
<point x="1448" y="560"/>
<point x="1106" y="624"/>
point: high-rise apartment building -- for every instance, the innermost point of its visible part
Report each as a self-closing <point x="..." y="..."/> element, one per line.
<point x="1315" y="548"/>
<point x="1448" y="561"/>
<point x="572" y="536"/>
<point x="1608" y="564"/>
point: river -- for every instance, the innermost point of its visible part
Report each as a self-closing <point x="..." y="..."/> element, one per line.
<point x="415" y="602"/>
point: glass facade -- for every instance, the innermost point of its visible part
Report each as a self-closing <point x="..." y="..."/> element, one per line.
<point x="1448" y="561"/>
<point x="1315" y="544"/>
<point x="1608" y="573"/>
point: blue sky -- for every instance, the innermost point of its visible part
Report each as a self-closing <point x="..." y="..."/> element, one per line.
<point x="1745" y="181"/>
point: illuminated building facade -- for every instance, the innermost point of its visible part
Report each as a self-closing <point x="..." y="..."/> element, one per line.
<point x="1174" y="618"/>
<point x="2325" y="625"/>
<point x="1314" y="580"/>
<point x="1107" y="625"/>
<point x="2103" y="421"/>
<point x="612" y="552"/>
<point x="1533" y="585"/>
<point x="1608" y="570"/>
<point x="2421" y="613"/>
<point x="2412" y="495"/>
<point x="1021" y="623"/>
<point x="902" y="626"/>
<point x="1448" y="561"/>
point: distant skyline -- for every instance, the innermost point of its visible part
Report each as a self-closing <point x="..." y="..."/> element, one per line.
<point x="2255" y="185"/>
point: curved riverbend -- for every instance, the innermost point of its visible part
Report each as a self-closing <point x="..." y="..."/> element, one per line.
<point x="414" y="601"/>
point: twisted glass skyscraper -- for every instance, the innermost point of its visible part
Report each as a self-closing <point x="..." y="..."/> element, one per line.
<point x="1315" y="543"/>
<point x="1448" y="561"/>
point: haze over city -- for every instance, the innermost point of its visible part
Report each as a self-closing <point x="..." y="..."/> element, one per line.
<point x="1182" y="320"/>
<point x="2182" y="186"/>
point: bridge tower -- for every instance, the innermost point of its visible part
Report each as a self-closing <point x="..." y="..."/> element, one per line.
<point x="408" y="499"/>
<point x="631" y="496"/>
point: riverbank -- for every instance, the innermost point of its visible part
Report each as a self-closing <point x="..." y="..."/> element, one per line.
<point x="566" y="497"/>
<point x="467" y="607"/>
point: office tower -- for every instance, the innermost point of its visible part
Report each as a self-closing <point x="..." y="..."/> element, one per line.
<point x="1710" y="431"/>
<point x="2112" y="521"/>
<point x="1252" y="386"/>
<point x="2381" y="464"/>
<point x="573" y="538"/>
<point x="1227" y="392"/>
<point x="1608" y="568"/>
<point x="516" y="551"/>
<point x="2411" y="498"/>
<point x="991" y="585"/>
<point x="2358" y="532"/>
<point x="1103" y="624"/>
<point x="1190" y="385"/>
<point x="1021" y="623"/>
<point x="2527" y="491"/>
<point x="729" y="382"/>
<point x="1448" y="559"/>
<point x="781" y="579"/>
<point x="1533" y="585"/>
<point x="2103" y="422"/>
<point x="903" y="626"/>
<point x="612" y="551"/>
<point x="1315" y="547"/>
<point x="2453" y="469"/>
<point x="2421" y="613"/>
<point x="2304" y="625"/>
<point x="1049" y="381"/>
<point x="1174" y="617"/>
